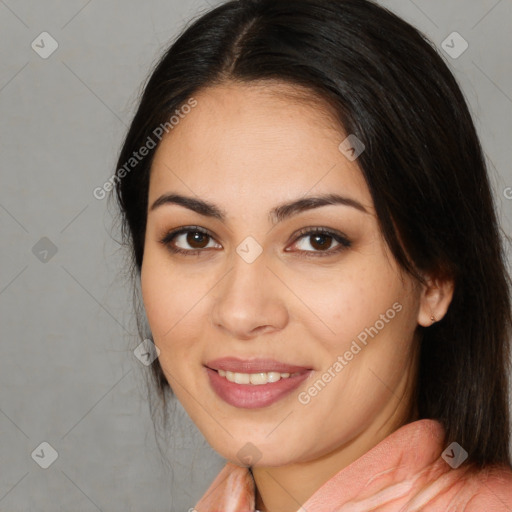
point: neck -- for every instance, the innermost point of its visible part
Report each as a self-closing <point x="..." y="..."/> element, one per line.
<point x="287" y="488"/>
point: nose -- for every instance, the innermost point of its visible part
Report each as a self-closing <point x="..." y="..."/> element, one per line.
<point x="250" y="300"/>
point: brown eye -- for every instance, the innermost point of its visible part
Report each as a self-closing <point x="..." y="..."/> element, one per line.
<point x="197" y="239"/>
<point x="319" y="242"/>
<point x="188" y="240"/>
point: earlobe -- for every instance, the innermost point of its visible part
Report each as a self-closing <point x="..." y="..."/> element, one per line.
<point x="435" y="299"/>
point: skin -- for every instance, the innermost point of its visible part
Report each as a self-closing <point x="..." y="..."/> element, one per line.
<point x="247" y="149"/>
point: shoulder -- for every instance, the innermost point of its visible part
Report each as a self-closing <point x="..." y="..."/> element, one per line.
<point x="490" y="489"/>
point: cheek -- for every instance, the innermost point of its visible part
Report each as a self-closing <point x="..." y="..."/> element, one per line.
<point x="158" y="302"/>
<point x="351" y="299"/>
<point x="375" y="337"/>
<point x="174" y="309"/>
<point x="164" y="296"/>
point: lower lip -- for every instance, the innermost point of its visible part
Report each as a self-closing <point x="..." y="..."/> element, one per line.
<point x="253" y="396"/>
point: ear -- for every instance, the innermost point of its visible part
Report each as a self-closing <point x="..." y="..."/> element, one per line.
<point x="436" y="296"/>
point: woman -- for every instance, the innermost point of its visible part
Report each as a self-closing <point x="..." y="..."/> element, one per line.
<point x="309" y="214"/>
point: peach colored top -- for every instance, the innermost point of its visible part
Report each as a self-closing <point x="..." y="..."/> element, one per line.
<point x="408" y="471"/>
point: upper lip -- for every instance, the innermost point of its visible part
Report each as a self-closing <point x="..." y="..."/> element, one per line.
<point x="233" y="364"/>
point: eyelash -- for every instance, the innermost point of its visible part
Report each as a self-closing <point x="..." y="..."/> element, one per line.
<point x="341" y="239"/>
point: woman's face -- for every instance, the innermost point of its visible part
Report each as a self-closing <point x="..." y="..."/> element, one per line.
<point x="264" y="286"/>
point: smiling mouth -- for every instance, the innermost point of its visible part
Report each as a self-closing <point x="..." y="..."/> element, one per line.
<point x="256" y="379"/>
<point x="256" y="389"/>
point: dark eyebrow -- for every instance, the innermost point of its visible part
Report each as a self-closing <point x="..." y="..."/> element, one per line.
<point x="276" y="215"/>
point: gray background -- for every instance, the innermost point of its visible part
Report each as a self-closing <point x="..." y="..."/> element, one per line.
<point x="68" y="375"/>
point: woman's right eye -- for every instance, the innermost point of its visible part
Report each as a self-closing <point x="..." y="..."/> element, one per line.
<point x="194" y="237"/>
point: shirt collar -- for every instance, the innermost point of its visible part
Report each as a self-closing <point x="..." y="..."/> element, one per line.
<point x="398" y="462"/>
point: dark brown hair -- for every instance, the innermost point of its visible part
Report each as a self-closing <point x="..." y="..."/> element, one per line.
<point x="423" y="165"/>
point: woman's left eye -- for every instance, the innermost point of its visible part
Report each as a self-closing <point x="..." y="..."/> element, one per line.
<point x="320" y="239"/>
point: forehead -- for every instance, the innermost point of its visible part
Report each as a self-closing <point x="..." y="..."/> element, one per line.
<point x="256" y="140"/>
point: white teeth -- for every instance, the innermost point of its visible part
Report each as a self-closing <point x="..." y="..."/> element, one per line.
<point x="254" y="378"/>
